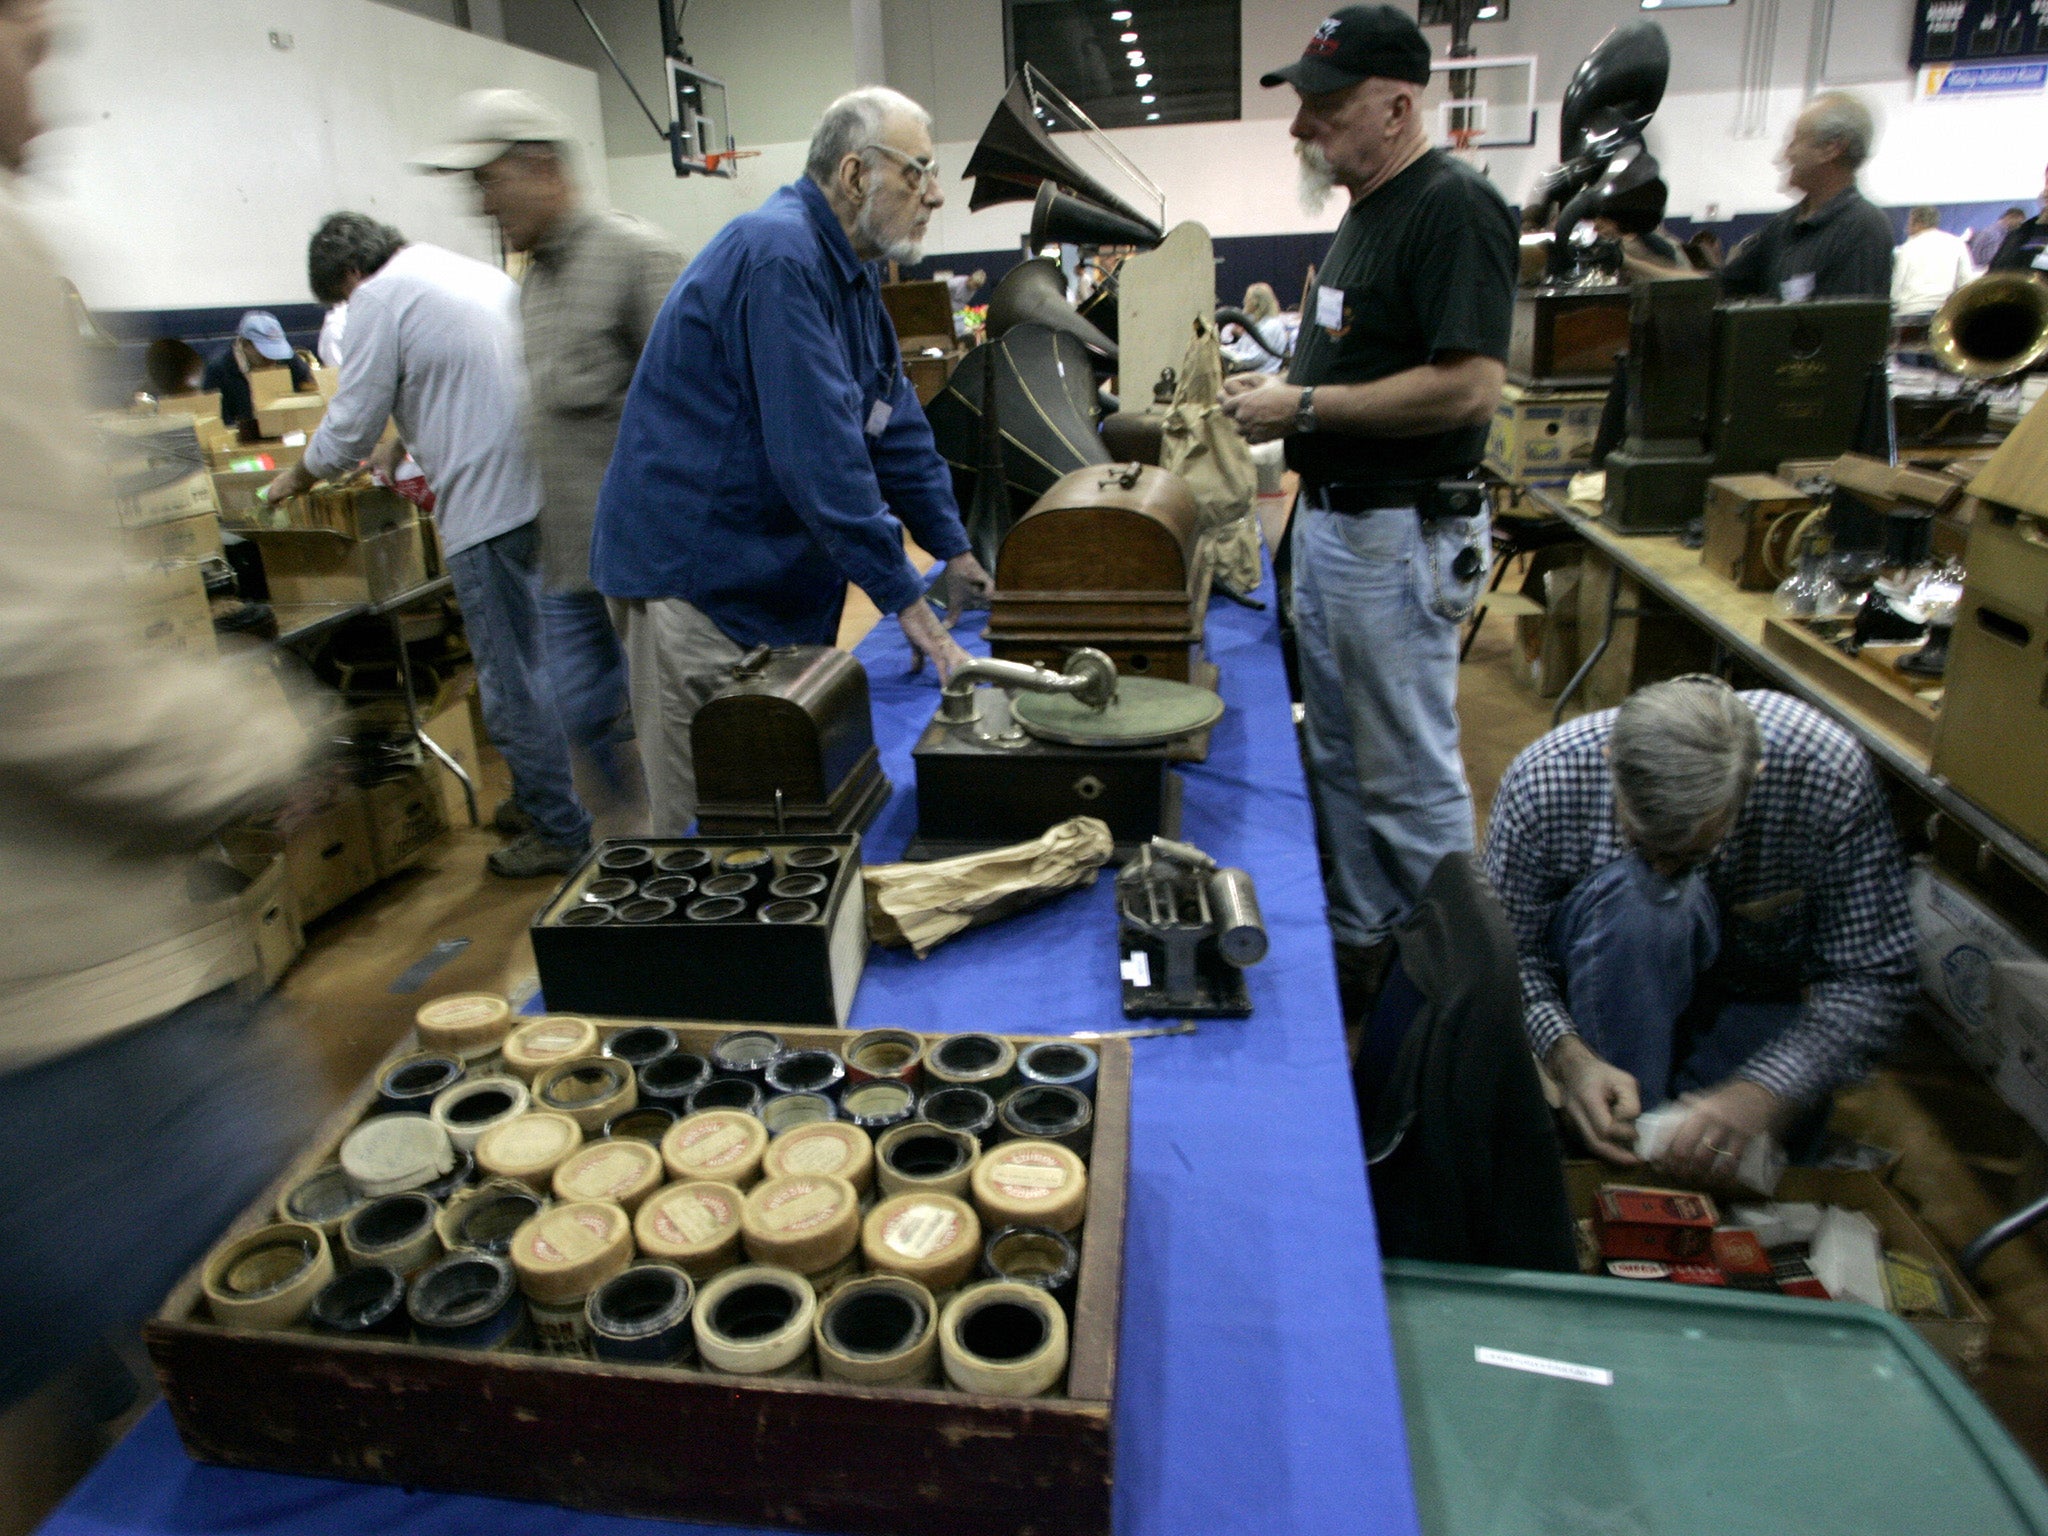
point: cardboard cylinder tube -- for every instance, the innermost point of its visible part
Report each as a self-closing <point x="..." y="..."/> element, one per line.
<point x="807" y="1222"/>
<point x="546" y="1042"/>
<point x="1002" y="1339"/>
<point x="932" y="1239"/>
<point x="722" y="1144"/>
<point x="625" y="1172"/>
<point x="878" y="1330"/>
<point x="1031" y="1183"/>
<point x="529" y="1148"/>
<point x="755" y="1320"/>
<point x="827" y="1146"/>
<point x="267" y="1278"/>
<point x="465" y="1024"/>
<point x="694" y="1226"/>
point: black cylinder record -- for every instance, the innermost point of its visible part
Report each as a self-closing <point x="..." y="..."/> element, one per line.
<point x="960" y="1109"/>
<point x="629" y="859"/>
<point x="367" y="1303"/>
<point x="1046" y="1112"/>
<point x="413" y="1084"/>
<point x="467" y="1301"/>
<point x="1065" y="1063"/>
<point x="610" y="891"/>
<point x="803" y="883"/>
<point x="645" y="909"/>
<point x="643" y="1122"/>
<point x="809" y="1070"/>
<point x="747" y="1053"/>
<point x="1034" y="1256"/>
<point x="487" y="1223"/>
<point x="639" y="1044"/>
<point x="670" y="887"/>
<point x="876" y="1106"/>
<point x="729" y="885"/>
<point x="715" y="909"/>
<point x="670" y="1080"/>
<point x="642" y="1315"/>
<point x="739" y="1093"/>
<point x="811" y="856"/>
<point x="590" y="914"/>
<point x="682" y="861"/>
<point x="389" y="1222"/>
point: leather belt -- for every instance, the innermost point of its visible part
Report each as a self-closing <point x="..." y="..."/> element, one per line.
<point x="1356" y="499"/>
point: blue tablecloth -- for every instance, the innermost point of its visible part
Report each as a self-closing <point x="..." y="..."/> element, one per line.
<point x="1255" y="1389"/>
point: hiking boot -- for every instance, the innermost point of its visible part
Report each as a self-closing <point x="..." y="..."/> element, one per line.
<point x="530" y="855"/>
<point x="511" y="820"/>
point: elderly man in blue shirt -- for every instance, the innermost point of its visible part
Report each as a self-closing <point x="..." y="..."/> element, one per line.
<point x="772" y="449"/>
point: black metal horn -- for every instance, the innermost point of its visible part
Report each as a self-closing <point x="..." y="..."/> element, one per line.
<point x="1016" y="156"/>
<point x="1035" y="292"/>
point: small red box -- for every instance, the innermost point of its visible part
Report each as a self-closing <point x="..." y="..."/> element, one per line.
<point x="1741" y="1257"/>
<point x="1697" y="1274"/>
<point x="1638" y="1223"/>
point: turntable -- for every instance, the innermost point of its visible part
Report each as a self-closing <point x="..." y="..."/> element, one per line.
<point x="1015" y="749"/>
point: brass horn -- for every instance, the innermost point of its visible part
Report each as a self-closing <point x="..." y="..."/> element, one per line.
<point x="1061" y="216"/>
<point x="1992" y="327"/>
<point x="1034" y="290"/>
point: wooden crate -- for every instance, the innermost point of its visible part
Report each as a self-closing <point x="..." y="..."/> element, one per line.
<point x="1904" y="705"/>
<point x="664" y="1441"/>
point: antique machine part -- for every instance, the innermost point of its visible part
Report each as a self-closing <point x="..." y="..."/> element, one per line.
<point x="1187" y="929"/>
<point x="787" y="744"/>
<point x="1090" y="678"/>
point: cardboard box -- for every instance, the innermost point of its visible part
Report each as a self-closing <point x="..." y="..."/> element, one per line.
<point x="162" y="493"/>
<point x="1548" y="649"/>
<point x="169" y="608"/>
<point x="1960" y="943"/>
<point x="1993" y="737"/>
<point x="268" y="384"/>
<point x="1634" y="1222"/>
<point x="1964" y="1340"/>
<point x="326" y="381"/>
<point x="269" y="456"/>
<point x="1544" y="437"/>
<point x="359" y="510"/>
<point x="405" y="818"/>
<point x="2019" y="1023"/>
<point x="330" y="856"/>
<point x="1747" y="536"/>
<point x="191" y="538"/>
<point x="266" y="905"/>
<point x="290" y="413"/>
<point x="316" y="566"/>
<point x="2017" y="474"/>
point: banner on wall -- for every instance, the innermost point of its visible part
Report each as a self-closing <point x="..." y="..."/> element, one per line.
<point x="1972" y="82"/>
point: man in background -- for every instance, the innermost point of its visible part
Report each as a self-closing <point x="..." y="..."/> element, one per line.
<point x="589" y="297"/>
<point x="259" y="342"/>
<point x="1399" y="365"/>
<point x="2025" y="247"/>
<point x="1985" y="242"/>
<point x="772" y="448"/>
<point x="144" y="1100"/>
<point x="1833" y="243"/>
<point x="433" y="344"/>
<point x="1930" y="266"/>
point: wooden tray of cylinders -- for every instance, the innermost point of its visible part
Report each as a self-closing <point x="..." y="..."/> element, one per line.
<point x="679" y="1441"/>
<point x="1110" y="557"/>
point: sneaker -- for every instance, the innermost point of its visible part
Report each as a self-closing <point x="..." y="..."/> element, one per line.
<point x="531" y="855"/>
<point x="511" y="820"/>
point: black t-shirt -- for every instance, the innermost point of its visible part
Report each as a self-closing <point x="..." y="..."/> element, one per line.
<point x="2025" y="249"/>
<point x="1842" y="250"/>
<point x="236" y="404"/>
<point x="1421" y="269"/>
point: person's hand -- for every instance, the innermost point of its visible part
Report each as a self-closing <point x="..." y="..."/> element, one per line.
<point x="290" y="483"/>
<point x="929" y="639"/>
<point x="1708" y="1145"/>
<point x="1262" y="411"/>
<point x="963" y="584"/>
<point x="1601" y="1100"/>
<point x="385" y="459"/>
<point x="1238" y="383"/>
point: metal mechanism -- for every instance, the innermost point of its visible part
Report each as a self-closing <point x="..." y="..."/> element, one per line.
<point x="1090" y="678"/>
<point x="1186" y="931"/>
<point x="1978" y="1249"/>
<point x="1992" y="327"/>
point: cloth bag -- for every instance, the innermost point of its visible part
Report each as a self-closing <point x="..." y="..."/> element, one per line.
<point x="1203" y="447"/>
<point x="923" y="905"/>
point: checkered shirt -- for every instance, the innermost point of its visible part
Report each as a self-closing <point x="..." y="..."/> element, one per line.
<point x="1811" y="887"/>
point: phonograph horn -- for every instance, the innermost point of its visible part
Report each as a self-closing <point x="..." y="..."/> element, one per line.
<point x="1626" y="71"/>
<point x="1063" y="217"/>
<point x="1034" y="290"/>
<point x="1992" y="327"/>
<point x="1016" y="156"/>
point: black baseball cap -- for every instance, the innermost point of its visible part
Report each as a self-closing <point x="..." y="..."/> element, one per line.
<point x="1357" y="43"/>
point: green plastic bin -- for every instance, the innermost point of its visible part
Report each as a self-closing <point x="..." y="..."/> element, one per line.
<point x="1728" y="1413"/>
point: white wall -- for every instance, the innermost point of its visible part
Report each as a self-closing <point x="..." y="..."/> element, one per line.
<point x="192" y="158"/>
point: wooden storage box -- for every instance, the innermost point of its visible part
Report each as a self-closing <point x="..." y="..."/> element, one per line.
<point x="315" y="565"/>
<point x="787" y="743"/>
<point x="1906" y="706"/>
<point x="664" y="1441"/>
<point x="736" y="965"/>
<point x="1567" y="336"/>
<point x="1747" y="532"/>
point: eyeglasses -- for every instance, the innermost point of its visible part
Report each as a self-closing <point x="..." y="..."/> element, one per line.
<point x="923" y="173"/>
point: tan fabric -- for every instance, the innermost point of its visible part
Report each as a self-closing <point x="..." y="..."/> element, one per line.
<point x="115" y="761"/>
<point x="589" y="297"/>
<point x="1203" y="447"/>
<point x="676" y="658"/>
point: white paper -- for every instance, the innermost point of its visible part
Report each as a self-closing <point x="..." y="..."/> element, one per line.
<point x="1330" y="308"/>
<point x="1137" y="968"/>
<point x="1760" y="1168"/>
<point x="1536" y="1365"/>
<point x="1796" y="289"/>
<point x="1779" y="1222"/>
<point x="1848" y="1257"/>
<point x="878" y="418"/>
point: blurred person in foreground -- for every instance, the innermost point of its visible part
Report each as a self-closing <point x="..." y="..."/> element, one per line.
<point x="143" y="1098"/>
<point x="772" y="449"/>
<point x="590" y="295"/>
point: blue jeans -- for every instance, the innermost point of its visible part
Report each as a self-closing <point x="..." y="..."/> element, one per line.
<point x="1633" y="947"/>
<point x="587" y="674"/>
<point x="120" y="1163"/>
<point x="497" y="583"/>
<point x="1377" y="611"/>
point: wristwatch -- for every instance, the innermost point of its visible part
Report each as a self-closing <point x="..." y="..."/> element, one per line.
<point x="1305" y="410"/>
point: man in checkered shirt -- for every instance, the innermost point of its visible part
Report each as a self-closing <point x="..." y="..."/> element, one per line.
<point x="1710" y="903"/>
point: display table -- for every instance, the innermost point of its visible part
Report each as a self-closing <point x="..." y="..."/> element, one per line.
<point x="1256" y="1388"/>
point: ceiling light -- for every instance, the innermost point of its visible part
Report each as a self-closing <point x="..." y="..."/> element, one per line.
<point x="1119" y="15"/>
<point x="1137" y="61"/>
<point x="1488" y="12"/>
<point x="1148" y="100"/>
<point x="1143" y="79"/>
<point x="1128" y="37"/>
<point x="1151" y="117"/>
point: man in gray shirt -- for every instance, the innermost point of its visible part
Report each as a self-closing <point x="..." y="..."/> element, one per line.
<point x="433" y="344"/>
<point x="594" y="284"/>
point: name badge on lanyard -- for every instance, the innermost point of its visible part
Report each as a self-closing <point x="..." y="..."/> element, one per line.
<point x="1329" y="308"/>
<point x="878" y="417"/>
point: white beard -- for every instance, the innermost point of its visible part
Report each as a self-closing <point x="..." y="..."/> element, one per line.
<point x="1318" y="178"/>
<point x="906" y="250"/>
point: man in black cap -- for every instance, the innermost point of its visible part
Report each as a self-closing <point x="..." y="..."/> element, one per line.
<point x="1400" y="363"/>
